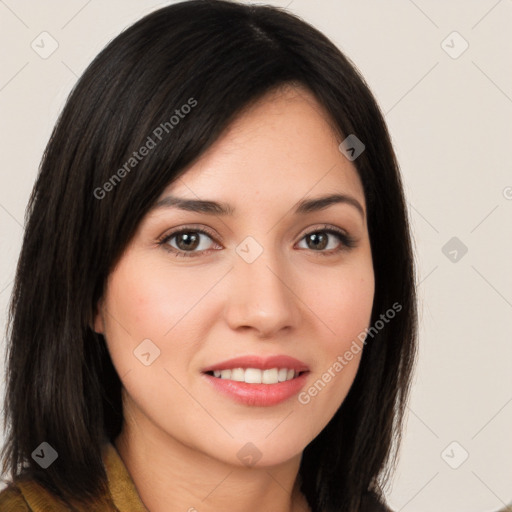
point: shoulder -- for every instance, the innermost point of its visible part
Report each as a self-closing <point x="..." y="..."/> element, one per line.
<point x="11" y="500"/>
<point x="28" y="495"/>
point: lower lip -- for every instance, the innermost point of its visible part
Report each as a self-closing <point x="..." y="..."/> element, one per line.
<point x="259" y="395"/>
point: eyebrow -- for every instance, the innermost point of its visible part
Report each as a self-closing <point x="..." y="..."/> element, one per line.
<point x="219" y="208"/>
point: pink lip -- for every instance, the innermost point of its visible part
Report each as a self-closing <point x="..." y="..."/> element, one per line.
<point x="262" y="395"/>
<point x="263" y="363"/>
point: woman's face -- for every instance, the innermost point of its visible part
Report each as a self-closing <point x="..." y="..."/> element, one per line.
<point x="267" y="279"/>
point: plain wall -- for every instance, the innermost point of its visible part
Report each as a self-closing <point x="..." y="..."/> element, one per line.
<point x="449" y="112"/>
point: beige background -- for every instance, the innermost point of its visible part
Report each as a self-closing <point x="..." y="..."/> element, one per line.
<point x="450" y="117"/>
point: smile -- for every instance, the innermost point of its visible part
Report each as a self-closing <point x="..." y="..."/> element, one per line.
<point x="256" y="376"/>
<point x="258" y="381"/>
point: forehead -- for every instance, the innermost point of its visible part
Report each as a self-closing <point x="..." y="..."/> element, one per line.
<point x="280" y="149"/>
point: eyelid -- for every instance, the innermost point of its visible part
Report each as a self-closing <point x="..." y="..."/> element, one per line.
<point x="323" y="227"/>
<point x="200" y="228"/>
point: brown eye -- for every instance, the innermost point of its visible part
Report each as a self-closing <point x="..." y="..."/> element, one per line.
<point x="187" y="242"/>
<point x="319" y="240"/>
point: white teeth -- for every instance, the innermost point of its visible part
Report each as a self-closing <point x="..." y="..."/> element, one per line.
<point x="283" y="372"/>
<point x="238" y="374"/>
<point x="269" y="376"/>
<point x="253" y="376"/>
<point x="256" y="376"/>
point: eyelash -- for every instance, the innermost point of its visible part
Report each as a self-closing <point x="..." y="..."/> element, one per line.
<point x="347" y="241"/>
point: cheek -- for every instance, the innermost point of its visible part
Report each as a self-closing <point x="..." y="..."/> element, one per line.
<point x="354" y="307"/>
<point x="344" y="309"/>
<point x="148" y="301"/>
<point x="350" y="314"/>
<point x="343" y="303"/>
<point x="151" y="301"/>
<point x="138" y="307"/>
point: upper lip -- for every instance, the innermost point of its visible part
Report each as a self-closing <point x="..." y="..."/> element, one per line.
<point x="263" y="363"/>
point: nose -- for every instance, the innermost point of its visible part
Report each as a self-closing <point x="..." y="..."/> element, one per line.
<point x="261" y="296"/>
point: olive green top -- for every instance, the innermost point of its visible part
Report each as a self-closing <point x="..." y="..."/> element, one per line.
<point x="123" y="496"/>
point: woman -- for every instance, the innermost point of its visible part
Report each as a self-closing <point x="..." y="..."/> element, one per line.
<point x="214" y="304"/>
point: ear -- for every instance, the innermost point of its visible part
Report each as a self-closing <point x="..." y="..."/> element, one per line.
<point x="99" y="324"/>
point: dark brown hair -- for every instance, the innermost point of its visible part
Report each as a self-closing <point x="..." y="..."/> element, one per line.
<point x="61" y="385"/>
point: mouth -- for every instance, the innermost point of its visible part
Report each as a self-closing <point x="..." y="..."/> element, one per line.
<point x="257" y="381"/>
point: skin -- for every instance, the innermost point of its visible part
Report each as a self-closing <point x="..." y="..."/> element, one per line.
<point x="180" y="437"/>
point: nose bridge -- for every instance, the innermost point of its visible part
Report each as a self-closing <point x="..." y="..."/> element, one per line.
<point x="262" y="294"/>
